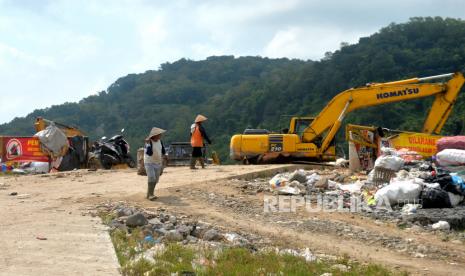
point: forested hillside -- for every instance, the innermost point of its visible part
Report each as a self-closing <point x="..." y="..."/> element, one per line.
<point x="236" y="93"/>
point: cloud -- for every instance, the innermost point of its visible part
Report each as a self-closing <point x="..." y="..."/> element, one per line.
<point x="61" y="50"/>
<point x="306" y="43"/>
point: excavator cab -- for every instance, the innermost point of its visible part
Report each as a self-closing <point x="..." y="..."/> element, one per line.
<point x="299" y="124"/>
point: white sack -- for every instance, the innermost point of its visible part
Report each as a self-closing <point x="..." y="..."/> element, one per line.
<point x="451" y="157"/>
<point x="53" y="139"/>
<point x="441" y="225"/>
<point x="399" y="192"/>
<point x="390" y="162"/>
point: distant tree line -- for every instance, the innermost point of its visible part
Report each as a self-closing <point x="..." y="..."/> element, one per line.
<point x="236" y="93"/>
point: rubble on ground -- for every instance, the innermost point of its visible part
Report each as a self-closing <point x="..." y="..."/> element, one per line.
<point x="160" y="227"/>
<point x="402" y="187"/>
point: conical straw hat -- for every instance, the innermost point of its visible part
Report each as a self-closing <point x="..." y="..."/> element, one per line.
<point x="200" y="118"/>
<point x="155" y="131"/>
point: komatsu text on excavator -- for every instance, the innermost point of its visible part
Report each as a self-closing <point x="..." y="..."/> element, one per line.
<point x="311" y="138"/>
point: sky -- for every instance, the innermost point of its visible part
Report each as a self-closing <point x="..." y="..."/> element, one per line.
<point x="59" y="51"/>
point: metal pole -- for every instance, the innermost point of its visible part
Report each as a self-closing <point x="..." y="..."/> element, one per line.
<point x="436" y="77"/>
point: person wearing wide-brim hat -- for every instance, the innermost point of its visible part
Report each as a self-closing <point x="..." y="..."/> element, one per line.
<point x="153" y="159"/>
<point x="198" y="134"/>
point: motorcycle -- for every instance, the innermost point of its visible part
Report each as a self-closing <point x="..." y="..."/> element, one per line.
<point x="114" y="151"/>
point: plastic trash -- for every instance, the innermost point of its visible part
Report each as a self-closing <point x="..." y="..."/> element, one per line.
<point x="399" y="192"/>
<point x="435" y="198"/>
<point x="458" y="181"/>
<point x="38" y="167"/>
<point x="432" y="185"/>
<point x="278" y="181"/>
<point x="387" y="151"/>
<point x="351" y="188"/>
<point x="454" y="142"/>
<point x="441" y="225"/>
<point x="149" y="239"/>
<point x="451" y="157"/>
<point x="287" y="190"/>
<point x="409" y="156"/>
<point x="298" y="175"/>
<point x="455" y="199"/>
<point x="312" y="179"/>
<point x="332" y="185"/>
<point x="390" y="162"/>
<point x="409" y="209"/>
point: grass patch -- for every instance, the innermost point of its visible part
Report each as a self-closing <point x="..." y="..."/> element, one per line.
<point x="187" y="260"/>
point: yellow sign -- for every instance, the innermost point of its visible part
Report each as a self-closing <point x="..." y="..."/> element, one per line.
<point x="424" y="144"/>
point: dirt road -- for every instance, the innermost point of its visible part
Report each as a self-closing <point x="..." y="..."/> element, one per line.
<point x="75" y="243"/>
<point x="43" y="231"/>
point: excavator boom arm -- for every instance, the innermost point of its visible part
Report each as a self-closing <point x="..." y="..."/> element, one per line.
<point x="327" y="123"/>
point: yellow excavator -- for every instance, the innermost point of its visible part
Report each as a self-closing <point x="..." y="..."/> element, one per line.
<point x="312" y="138"/>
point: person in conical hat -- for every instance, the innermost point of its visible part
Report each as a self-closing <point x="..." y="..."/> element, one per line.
<point x="153" y="159"/>
<point x="198" y="135"/>
<point x="200" y="118"/>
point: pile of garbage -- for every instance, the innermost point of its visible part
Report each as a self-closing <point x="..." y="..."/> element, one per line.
<point x="302" y="182"/>
<point x="26" y="168"/>
<point x="438" y="183"/>
<point x="401" y="179"/>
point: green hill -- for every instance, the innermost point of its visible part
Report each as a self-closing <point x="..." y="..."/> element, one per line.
<point x="236" y="93"/>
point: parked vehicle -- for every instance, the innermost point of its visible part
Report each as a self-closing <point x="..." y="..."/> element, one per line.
<point x="114" y="151"/>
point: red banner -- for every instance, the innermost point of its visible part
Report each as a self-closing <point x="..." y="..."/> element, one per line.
<point x="21" y="149"/>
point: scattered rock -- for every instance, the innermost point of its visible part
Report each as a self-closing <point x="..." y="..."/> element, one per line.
<point x="174" y="236"/>
<point x="322" y="183"/>
<point x="211" y="235"/>
<point x="160" y="231"/>
<point x="191" y="239"/>
<point x="120" y="213"/>
<point x="298" y="175"/>
<point x="13" y="193"/>
<point x="163" y="217"/>
<point x="184" y="230"/>
<point x="155" y="222"/>
<point x="168" y="226"/>
<point x="172" y="219"/>
<point x="117" y="225"/>
<point x="198" y="231"/>
<point x="135" y="220"/>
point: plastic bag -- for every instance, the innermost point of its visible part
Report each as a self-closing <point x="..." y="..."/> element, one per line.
<point x="454" y="142"/>
<point x="351" y="188"/>
<point x="435" y="198"/>
<point x="390" y="162"/>
<point x="451" y="157"/>
<point x="441" y="225"/>
<point x="399" y="192"/>
<point x="53" y="139"/>
<point x="278" y="181"/>
<point x="312" y="179"/>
